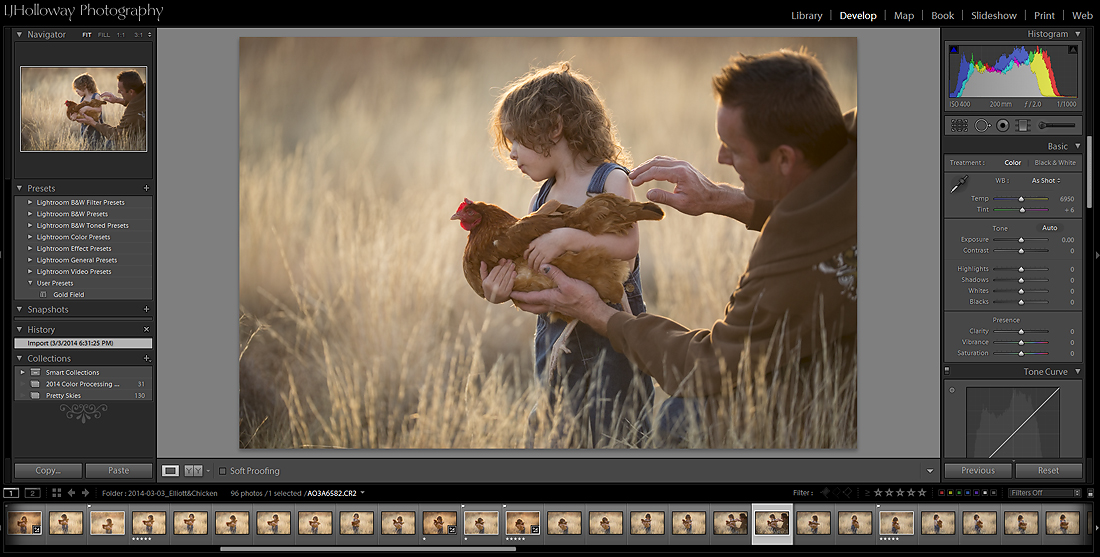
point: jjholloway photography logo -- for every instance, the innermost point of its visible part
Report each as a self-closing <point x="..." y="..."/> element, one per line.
<point x="84" y="10"/>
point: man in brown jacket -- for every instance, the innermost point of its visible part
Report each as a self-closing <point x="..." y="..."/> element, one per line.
<point x="782" y="130"/>
<point x="131" y="94"/>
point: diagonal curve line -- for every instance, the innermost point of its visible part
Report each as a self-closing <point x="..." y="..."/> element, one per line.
<point x="1028" y="418"/>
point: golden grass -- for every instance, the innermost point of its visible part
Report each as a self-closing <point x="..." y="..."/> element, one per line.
<point x="366" y="522"/>
<point x="43" y="123"/>
<point x="928" y="522"/>
<point x="357" y="327"/>
<point x="76" y="522"/>
<point x="160" y="522"/>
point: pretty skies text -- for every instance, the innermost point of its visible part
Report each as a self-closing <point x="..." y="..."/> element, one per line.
<point x="86" y="10"/>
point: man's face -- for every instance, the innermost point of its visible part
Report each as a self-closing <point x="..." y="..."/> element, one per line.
<point x="125" y="93"/>
<point x="761" y="179"/>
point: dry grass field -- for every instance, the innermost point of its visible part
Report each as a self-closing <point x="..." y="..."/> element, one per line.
<point x="357" y="328"/>
<point x="23" y="522"/>
<point x="324" y="522"/>
<point x="98" y="519"/>
<point x="75" y="519"/>
<point x="1012" y="522"/>
<point x="1054" y="522"/>
<point x="782" y="523"/>
<point x="928" y="522"/>
<point x="863" y="520"/>
<point x="596" y="522"/>
<point x="265" y="520"/>
<point x="179" y="527"/>
<point x="905" y="522"/>
<point x="740" y="525"/>
<point x="572" y="523"/>
<point x="366" y="522"/>
<point x="160" y="522"/>
<point x="223" y="518"/>
<point x="405" y="519"/>
<point x="698" y="522"/>
<point x="988" y="521"/>
<point x="427" y="524"/>
<point x="490" y="523"/>
<point x="530" y="519"/>
<point x="824" y="521"/>
<point x="656" y="522"/>
<point x="43" y="123"/>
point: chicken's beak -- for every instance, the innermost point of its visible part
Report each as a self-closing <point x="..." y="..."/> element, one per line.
<point x="456" y="217"/>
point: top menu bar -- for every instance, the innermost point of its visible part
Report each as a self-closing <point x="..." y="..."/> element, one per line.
<point x="150" y="14"/>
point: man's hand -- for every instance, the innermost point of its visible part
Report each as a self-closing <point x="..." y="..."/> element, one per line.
<point x="498" y="283"/>
<point x="571" y="297"/>
<point x="110" y="97"/>
<point x="83" y="119"/>
<point x="694" y="193"/>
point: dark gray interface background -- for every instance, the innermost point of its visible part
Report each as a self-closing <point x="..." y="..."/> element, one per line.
<point x="899" y="228"/>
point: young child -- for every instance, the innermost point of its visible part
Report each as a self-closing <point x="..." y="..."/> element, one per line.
<point x="84" y="85"/>
<point x="558" y="132"/>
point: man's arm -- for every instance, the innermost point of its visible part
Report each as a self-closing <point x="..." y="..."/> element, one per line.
<point x="684" y="362"/>
<point x="695" y="194"/>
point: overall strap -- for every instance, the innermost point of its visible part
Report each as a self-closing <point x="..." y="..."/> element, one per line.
<point x="596" y="186"/>
<point x="544" y="192"/>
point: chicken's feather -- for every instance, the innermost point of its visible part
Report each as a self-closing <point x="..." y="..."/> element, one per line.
<point x="498" y="235"/>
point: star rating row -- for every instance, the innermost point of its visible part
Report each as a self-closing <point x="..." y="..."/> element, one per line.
<point x="901" y="492"/>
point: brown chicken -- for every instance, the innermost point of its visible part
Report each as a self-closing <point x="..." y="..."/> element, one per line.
<point x="74" y="108"/>
<point x="495" y="234"/>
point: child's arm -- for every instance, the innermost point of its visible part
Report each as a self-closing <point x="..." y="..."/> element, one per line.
<point x="497" y="284"/>
<point x="556" y="242"/>
<point x="91" y="112"/>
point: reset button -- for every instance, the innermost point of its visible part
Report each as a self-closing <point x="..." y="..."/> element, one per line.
<point x="1049" y="471"/>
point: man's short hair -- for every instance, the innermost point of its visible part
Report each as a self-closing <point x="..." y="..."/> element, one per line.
<point x="131" y="80"/>
<point x="786" y="100"/>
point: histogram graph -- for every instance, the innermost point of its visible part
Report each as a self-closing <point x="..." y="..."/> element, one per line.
<point x="984" y="71"/>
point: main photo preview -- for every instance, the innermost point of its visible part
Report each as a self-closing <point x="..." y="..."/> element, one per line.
<point x="365" y="314"/>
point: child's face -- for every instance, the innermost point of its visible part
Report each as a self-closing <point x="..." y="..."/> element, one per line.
<point x="80" y="92"/>
<point x="535" y="165"/>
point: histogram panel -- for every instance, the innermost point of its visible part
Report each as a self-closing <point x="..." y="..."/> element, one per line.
<point x="984" y="71"/>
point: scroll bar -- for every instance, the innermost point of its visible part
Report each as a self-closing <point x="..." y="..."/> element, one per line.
<point x="1088" y="170"/>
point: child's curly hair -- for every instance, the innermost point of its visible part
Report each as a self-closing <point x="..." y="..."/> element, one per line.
<point x="533" y="106"/>
<point x="85" y="82"/>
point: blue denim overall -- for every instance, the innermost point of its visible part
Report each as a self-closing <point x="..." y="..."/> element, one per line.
<point x="593" y="371"/>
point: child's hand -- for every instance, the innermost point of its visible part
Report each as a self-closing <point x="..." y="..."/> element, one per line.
<point x="497" y="284"/>
<point x="549" y="246"/>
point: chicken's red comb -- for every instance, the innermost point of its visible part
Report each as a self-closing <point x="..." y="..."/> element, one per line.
<point x="465" y="202"/>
